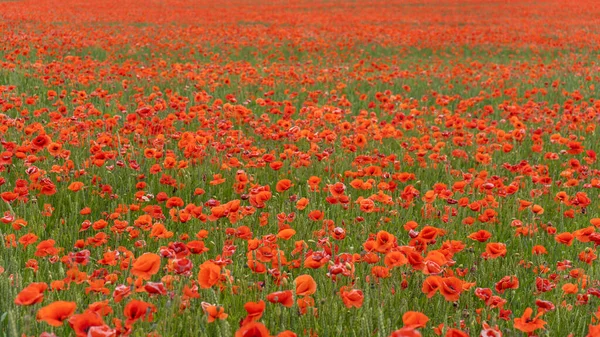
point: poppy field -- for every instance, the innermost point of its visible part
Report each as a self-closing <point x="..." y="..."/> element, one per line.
<point x="299" y="168"/>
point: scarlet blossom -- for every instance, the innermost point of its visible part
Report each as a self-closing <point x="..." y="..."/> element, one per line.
<point x="56" y="312"/>
<point x="305" y="285"/>
<point x="406" y="332"/>
<point x="146" y="265"/>
<point x="209" y="275"/>
<point x="285" y="298"/>
<point x="352" y="297"/>
<point x="528" y="324"/>
<point x="252" y="329"/>
<point x="138" y="310"/>
<point x="565" y="238"/>
<point x="32" y="294"/>
<point x="214" y="312"/>
<point x="507" y="282"/>
<point x="88" y="321"/>
<point x="455" y="333"/>
<point x="255" y="311"/>
<point x="414" y="319"/>
<point x="494" y="250"/>
<point x="283" y="185"/>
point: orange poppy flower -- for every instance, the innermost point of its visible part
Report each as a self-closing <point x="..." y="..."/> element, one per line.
<point x="537" y="209"/>
<point x="196" y="247"/>
<point x="56" y="312"/>
<point x="494" y="250"/>
<point x="455" y="333"/>
<point x="414" y="319"/>
<point x="305" y="285"/>
<point x="527" y="324"/>
<point x="213" y="312"/>
<point x="384" y="241"/>
<point x="75" y="186"/>
<point x="146" y="265"/>
<point x="539" y="250"/>
<point x="41" y="141"/>
<point x="565" y="238"/>
<point x="255" y="311"/>
<point x="523" y="204"/>
<point x="593" y="330"/>
<point x="352" y="297"/>
<point x="9" y="196"/>
<point x="302" y="203"/>
<point x="135" y="310"/>
<point x="313" y="183"/>
<point x="481" y="236"/>
<point x="451" y="288"/>
<point x="286" y="234"/>
<point x="86" y="324"/>
<point x="32" y="294"/>
<point x="101" y="331"/>
<point x="209" y="274"/>
<point x="570" y="288"/>
<point x="285" y="298"/>
<point x="316" y="215"/>
<point x="102" y="308"/>
<point x="406" y="332"/>
<point x="380" y="272"/>
<point x="46" y="248"/>
<point x="304" y="303"/>
<point x="28" y="239"/>
<point x="395" y="259"/>
<point x="283" y="185"/>
<point x="431" y="285"/>
<point x="507" y="282"/>
<point x="428" y="234"/>
<point x="252" y="329"/>
<point x="360" y="140"/>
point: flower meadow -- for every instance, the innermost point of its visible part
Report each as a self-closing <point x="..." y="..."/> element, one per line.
<point x="299" y="168"/>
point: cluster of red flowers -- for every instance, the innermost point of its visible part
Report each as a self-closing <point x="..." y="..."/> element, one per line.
<point x="247" y="161"/>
